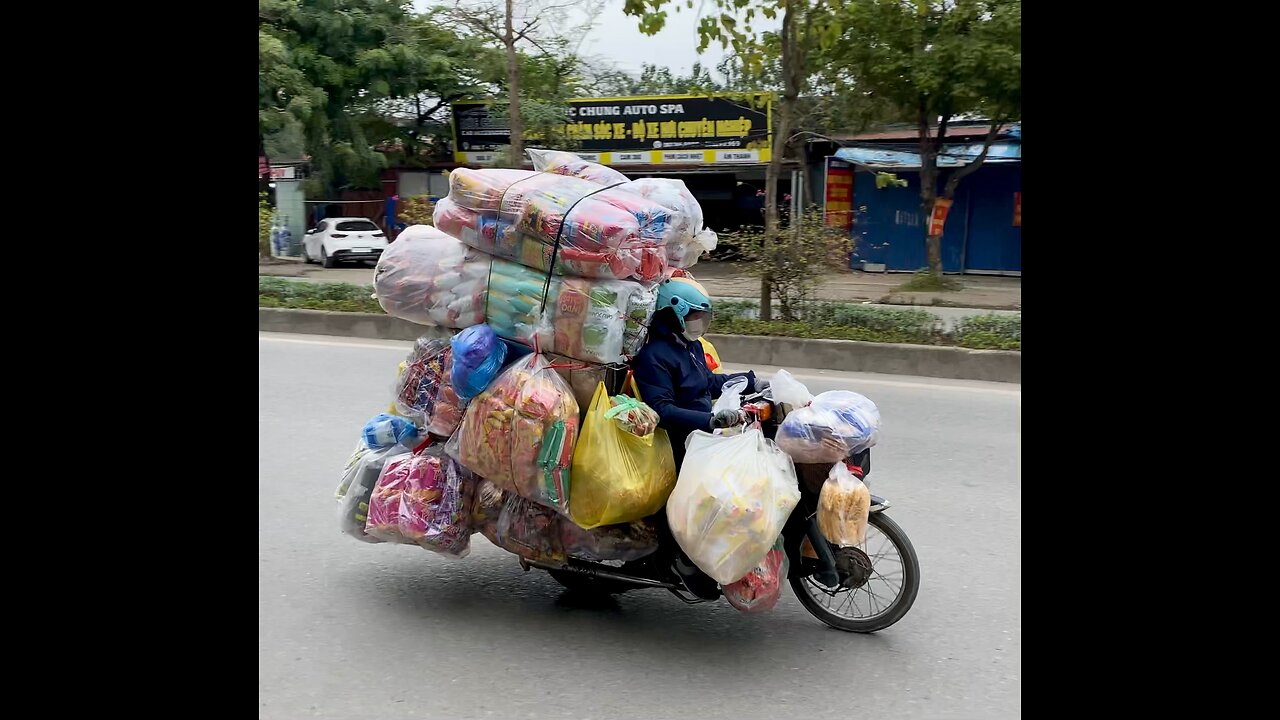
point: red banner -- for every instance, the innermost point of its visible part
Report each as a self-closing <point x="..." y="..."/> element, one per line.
<point x="839" y="200"/>
<point x="940" y="208"/>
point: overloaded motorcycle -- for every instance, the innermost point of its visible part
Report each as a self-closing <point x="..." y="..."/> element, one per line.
<point x="861" y="588"/>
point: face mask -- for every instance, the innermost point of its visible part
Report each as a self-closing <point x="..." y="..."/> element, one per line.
<point x="694" y="328"/>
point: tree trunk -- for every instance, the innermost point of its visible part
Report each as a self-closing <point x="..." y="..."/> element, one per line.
<point x="929" y="148"/>
<point x="792" y="68"/>
<point x="513" y="85"/>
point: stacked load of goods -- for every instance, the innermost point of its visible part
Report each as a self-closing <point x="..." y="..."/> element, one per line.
<point x="509" y="421"/>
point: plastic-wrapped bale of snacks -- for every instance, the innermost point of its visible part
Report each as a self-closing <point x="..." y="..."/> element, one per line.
<point x="356" y="488"/>
<point x="486" y="508"/>
<point x="520" y="432"/>
<point x="625" y="542"/>
<point x="424" y="391"/>
<point x="566" y="163"/>
<point x="687" y="240"/>
<point x="730" y="502"/>
<point x="641" y="300"/>
<point x="760" y="589"/>
<point x="485" y="231"/>
<point x="429" y="278"/>
<point x="384" y="430"/>
<point x="825" y="428"/>
<point x="574" y="214"/>
<point x="479" y="355"/>
<point x="423" y="499"/>
<point x="844" y="507"/>
<point x="617" y="476"/>
<point x="584" y="319"/>
<point x="530" y="530"/>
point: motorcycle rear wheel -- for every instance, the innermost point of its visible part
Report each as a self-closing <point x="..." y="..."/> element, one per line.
<point x="884" y="598"/>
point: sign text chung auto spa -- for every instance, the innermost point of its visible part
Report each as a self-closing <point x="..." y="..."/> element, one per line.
<point x="673" y="129"/>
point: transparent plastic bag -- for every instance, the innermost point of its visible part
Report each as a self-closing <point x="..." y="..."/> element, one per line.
<point x="825" y="428"/>
<point x="641" y="299"/>
<point x="422" y="389"/>
<point x="353" y="510"/>
<point x="592" y="230"/>
<point x="632" y="416"/>
<point x="519" y="433"/>
<point x="430" y="278"/>
<point x="478" y="357"/>
<point x="486" y="507"/>
<point x="732" y="497"/>
<point x="349" y="470"/>
<point x="530" y="530"/>
<point x="423" y="499"/>
<point x="730" y="395"/>
<point x="384" y="430"/>
<point x="618" y="477"/>
<point x="760" y="588"/>
<point x="844" y="507"/>
<point x="566" y="163"/>
<point x="625" y="542"/>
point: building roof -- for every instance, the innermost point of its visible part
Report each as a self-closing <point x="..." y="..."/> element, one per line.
<point x="958" y="130"/>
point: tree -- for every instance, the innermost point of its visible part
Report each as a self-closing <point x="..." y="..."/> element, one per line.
<point x="806" y="25"/>
<point x="327" y="70"/>
<point x="794" y="262"/>
<point x="936" y="60"/>
<point x="656" y="80"/>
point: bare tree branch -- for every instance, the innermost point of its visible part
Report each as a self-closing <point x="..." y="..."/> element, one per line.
<point x="954" y="181"/>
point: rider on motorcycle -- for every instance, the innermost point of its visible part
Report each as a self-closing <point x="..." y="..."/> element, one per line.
<point x="672" y="377"/>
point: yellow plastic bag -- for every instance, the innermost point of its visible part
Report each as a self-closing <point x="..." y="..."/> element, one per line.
<point x="618" y="477"/>
<point x="713" y="357"/>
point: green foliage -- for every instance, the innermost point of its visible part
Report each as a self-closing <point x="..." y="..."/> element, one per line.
<point x="417" y="210"/>
<point x="264" y="226"/>
<point x="990" y="332"/>
<point x="924" y="281"/>
<point x="340" y="297"/>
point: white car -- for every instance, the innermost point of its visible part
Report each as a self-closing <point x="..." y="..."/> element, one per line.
<point x="336" y="240"/>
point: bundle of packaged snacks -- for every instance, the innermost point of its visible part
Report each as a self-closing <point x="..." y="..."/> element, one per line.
<point x="424" y="391"/>
<point x="759" y="589"/>
<point x="355" y="489"/>
<point x="732" y="497"/>
<point x="520" y="432"/>
<point x="486" y="507"/>
<point x="625" y="542"/>
<point x="622" y="234"/>
<point x="529" y="530"/>
<point x="687" y="240"/>
<point x="429" y="278"/>
<point x="424" y="499"/>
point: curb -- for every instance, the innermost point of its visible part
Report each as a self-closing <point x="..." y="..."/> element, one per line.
<point x="844" y="355"/>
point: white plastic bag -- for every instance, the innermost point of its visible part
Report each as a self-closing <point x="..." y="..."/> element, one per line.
<point x="731" y="500"/>
<point x="825" y="428"/>
<point x="730" y="395"/>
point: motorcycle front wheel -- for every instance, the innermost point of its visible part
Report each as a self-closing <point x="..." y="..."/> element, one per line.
<point x="886" y="594"/>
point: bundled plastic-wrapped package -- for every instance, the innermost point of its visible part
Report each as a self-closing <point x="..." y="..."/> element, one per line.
<point x="486" y="507"/>
<point x="385" y="430"/>
<point x="617" y="476"/>
<point x="529" y="530"/>
<point x="429" y="278"/>
<point x="478" y="357"/>
<point x="759" y="589"/>
<point x="844" y="506"/>
<point x="621" y="234"/>
<point x="632" y="416"/>
<point x="687" y="240"/>
<point x="825" y="428"/>
<point x="731" y="500"/>
<point x="566" y="163"/>
<point x="641" y="299"/>
<point x="356" y="488"/>
<point x="424" y="391"/>
<point x="519" y="433"/>
<point x="625" y="542"/>
<point x="424" y="499"/>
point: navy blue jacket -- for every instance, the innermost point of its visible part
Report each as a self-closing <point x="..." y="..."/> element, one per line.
<point x="672" y="376"/>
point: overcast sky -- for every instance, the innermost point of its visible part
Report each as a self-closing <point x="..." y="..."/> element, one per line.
<point x="617" y="38"/>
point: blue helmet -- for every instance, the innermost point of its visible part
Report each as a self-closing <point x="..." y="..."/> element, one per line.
<point x="683" y="295"/>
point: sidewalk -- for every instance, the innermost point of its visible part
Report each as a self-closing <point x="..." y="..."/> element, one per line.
<point x="726" y="279"/>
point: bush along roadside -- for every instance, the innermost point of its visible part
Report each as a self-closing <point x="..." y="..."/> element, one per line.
<point x="832" y="321"/>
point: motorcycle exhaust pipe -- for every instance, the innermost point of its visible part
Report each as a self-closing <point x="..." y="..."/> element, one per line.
<point x="600" y="572"/>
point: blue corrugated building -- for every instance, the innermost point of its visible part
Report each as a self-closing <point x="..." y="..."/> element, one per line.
<point x="983" y="233"/>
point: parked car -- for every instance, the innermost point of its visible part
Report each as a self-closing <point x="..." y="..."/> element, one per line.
<point x="336" y="240"/>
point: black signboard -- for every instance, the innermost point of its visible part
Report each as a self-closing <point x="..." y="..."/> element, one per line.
<point x="631" y="124"/>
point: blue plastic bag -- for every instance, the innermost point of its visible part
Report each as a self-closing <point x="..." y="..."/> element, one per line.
<point x="478" y="355"/>
<point x="385" y="430"/>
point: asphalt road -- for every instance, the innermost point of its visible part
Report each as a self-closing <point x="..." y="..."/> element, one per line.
<point x="349" y="630"/>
